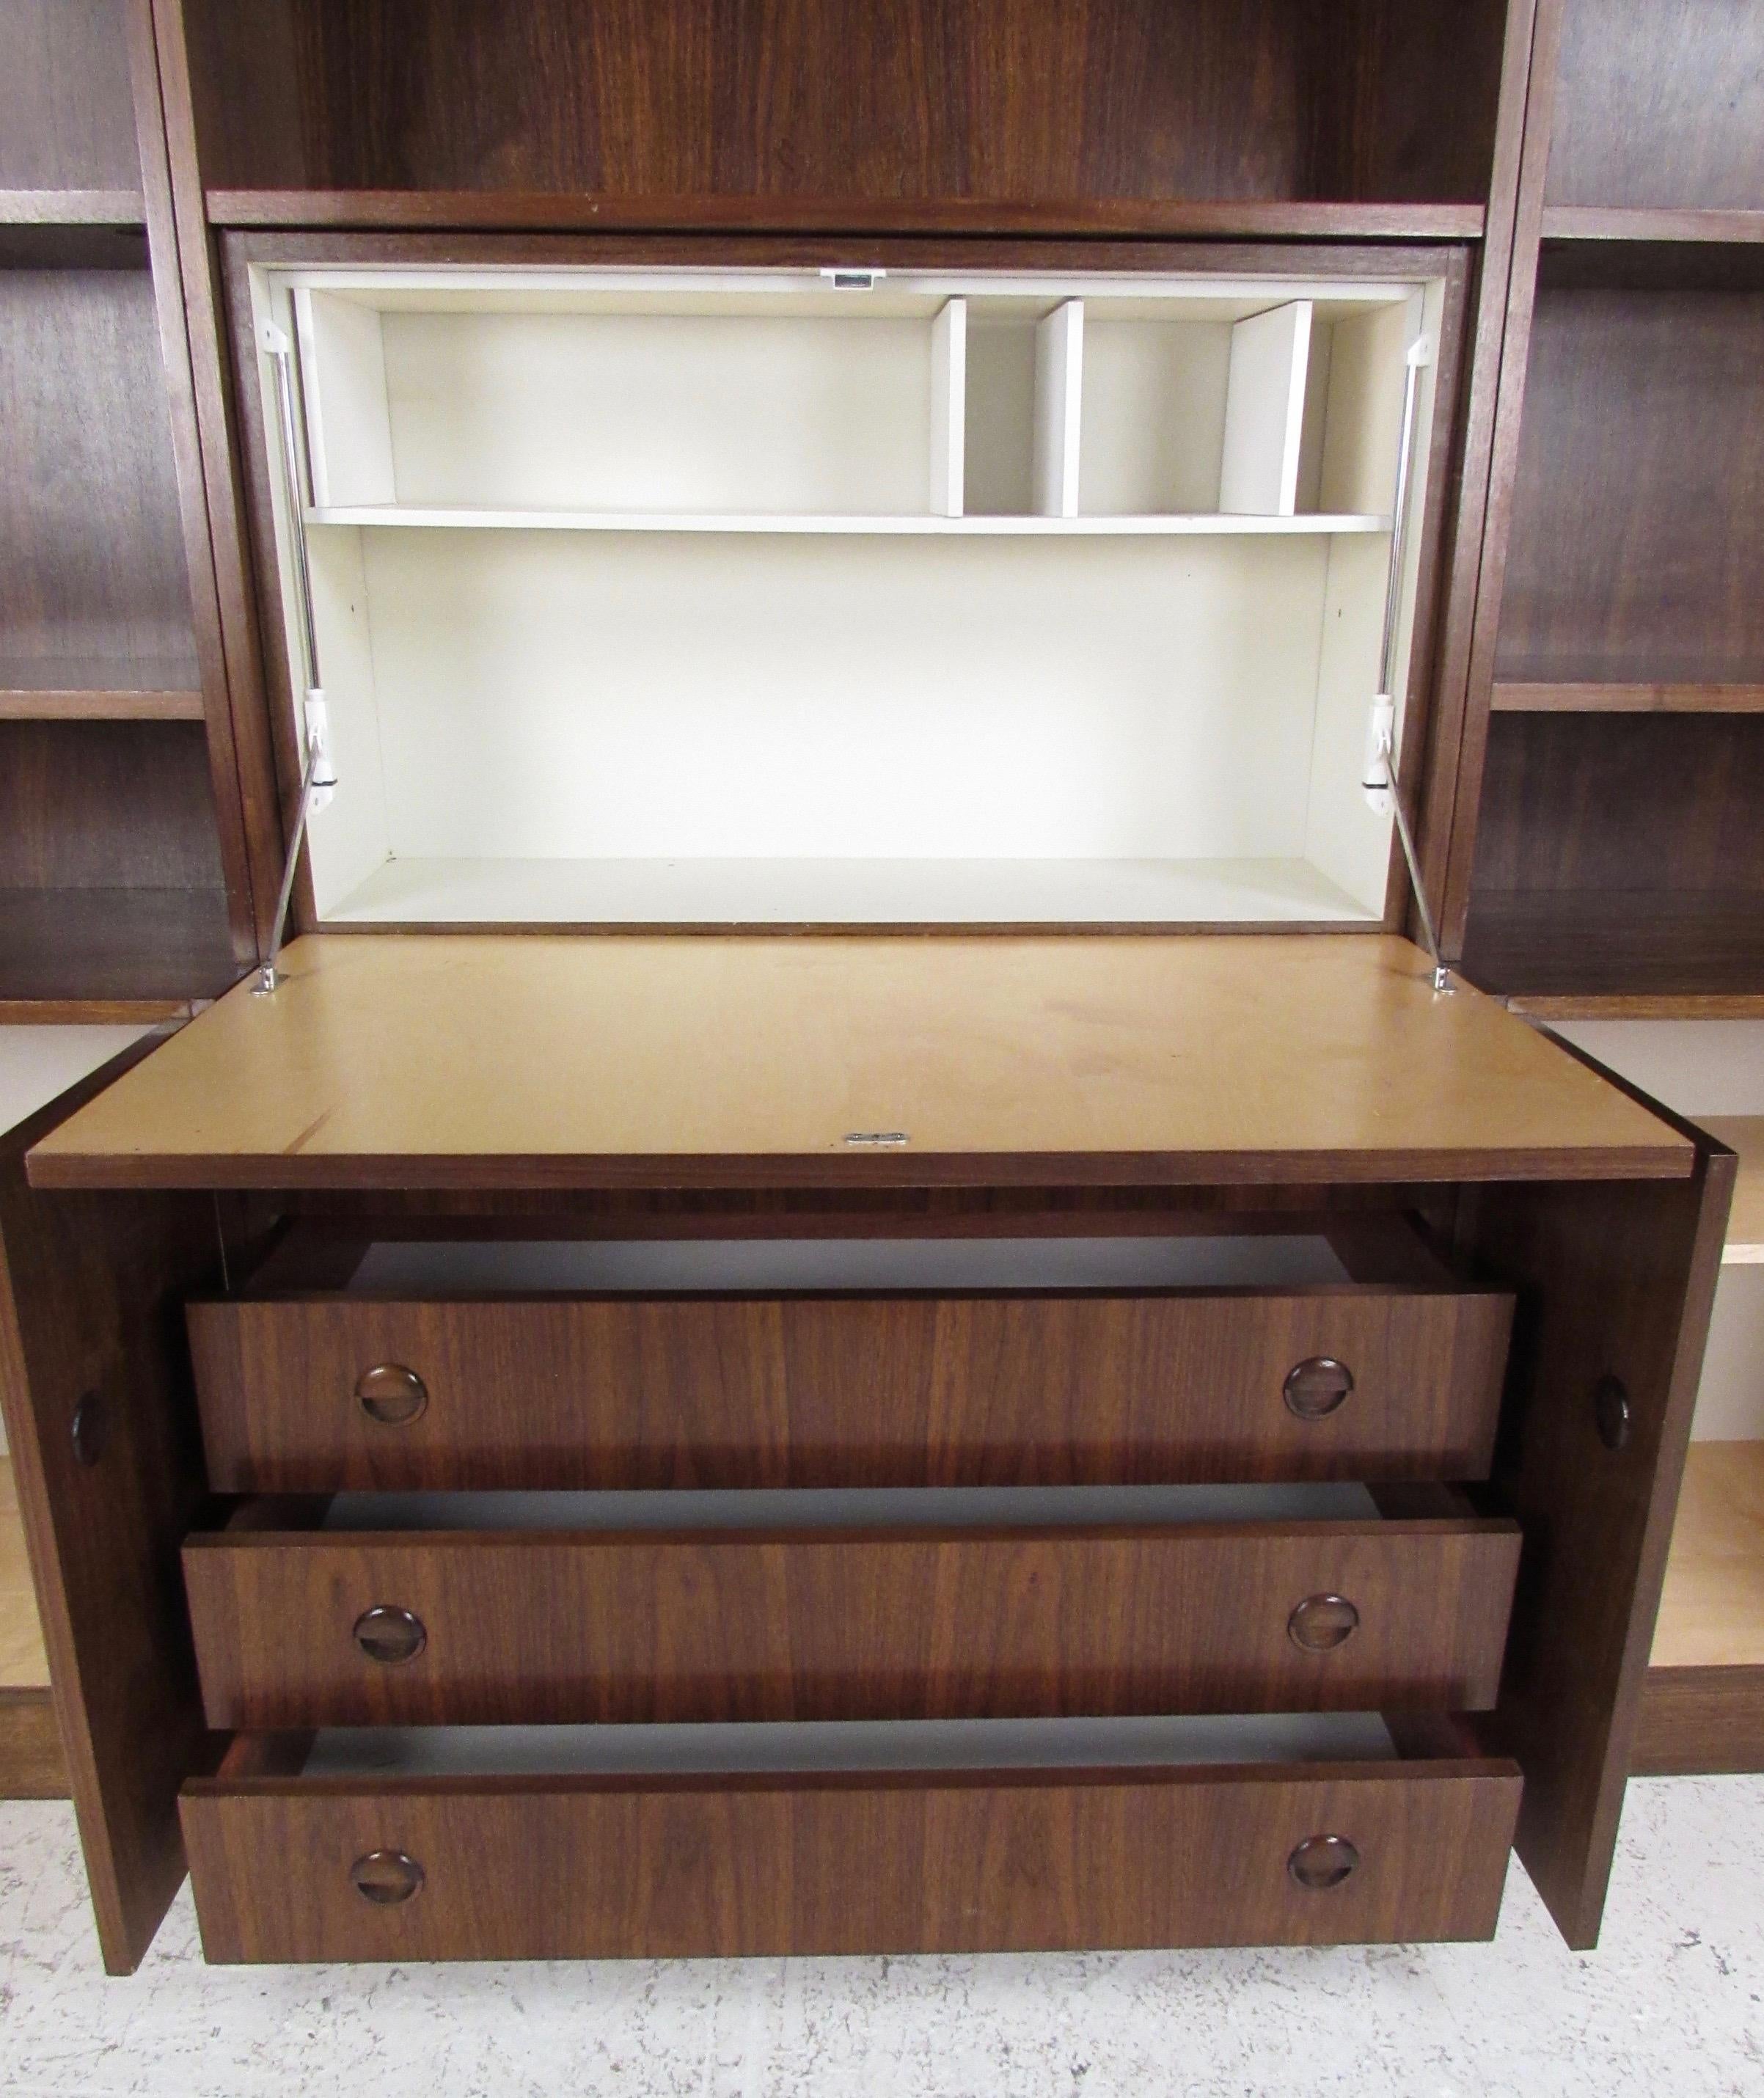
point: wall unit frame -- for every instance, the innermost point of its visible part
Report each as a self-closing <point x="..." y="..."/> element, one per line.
<point x="123" y="882"/>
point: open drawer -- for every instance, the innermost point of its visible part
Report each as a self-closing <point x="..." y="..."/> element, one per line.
<point x="542" y="1843"/>
<point x="516" y="1608"/>
<point x="1296" y="1349"/>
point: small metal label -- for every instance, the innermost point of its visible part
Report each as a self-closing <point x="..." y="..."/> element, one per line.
<point x="878" y="1137"/>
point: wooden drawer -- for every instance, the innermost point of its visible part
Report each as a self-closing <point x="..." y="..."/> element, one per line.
<point x="1216" y="1599"/>
<point x="510" y="1863"/>
<point x="450" y="1365"/>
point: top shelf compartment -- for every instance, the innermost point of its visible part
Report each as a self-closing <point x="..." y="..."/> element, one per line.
<point x="847" y="403"/>
<point x="1364" y="117"/>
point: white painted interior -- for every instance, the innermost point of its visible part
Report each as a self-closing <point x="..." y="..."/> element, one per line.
<point x="948" y="407"/>
<point x="766" y="602"/>
<point x="1264" y="410"/>
<point x="39" y="1062"/>
<point x="848" y="1508"/>
<point x="1282" y="1737"/>
<point x="1059" y="409"/>
<point x="1246" y="1259"/>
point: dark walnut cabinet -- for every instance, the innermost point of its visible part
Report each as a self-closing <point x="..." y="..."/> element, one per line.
<point x="846" y="1284"/>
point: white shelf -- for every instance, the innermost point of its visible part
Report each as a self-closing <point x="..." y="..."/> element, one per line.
<point x="1188" y="524"/>
<point x="853" y="892"/>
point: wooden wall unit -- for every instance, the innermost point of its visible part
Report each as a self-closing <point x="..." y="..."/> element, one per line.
<point x="1084" y="1339"/>
<point x="1606" y="857"/>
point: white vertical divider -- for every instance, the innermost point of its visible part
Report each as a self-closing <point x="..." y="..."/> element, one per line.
<point x="343" y="386"/>
<point x="1058" y="400"/>
<point x="1264" y="412"/>
<point x="949" y="408"/>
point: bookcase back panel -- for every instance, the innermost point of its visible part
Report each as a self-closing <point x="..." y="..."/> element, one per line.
<point x="1659" y="102"/>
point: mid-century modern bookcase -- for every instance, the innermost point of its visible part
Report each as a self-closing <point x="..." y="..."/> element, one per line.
<point x="845" y="1288"/>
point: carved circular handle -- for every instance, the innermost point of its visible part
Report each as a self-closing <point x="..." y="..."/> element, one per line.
<point x="1321" y="1623"/>
<point x="390" y="1635"/>
<point x="387" y="1876"/>
<point x="1322" y="1862"/>
<point x="1315" y="1387"/>
<point x="391" y="1395"/>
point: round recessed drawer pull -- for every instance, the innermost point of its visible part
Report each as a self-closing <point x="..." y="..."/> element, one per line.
<point x="1611" y="1412"/>
<point x="1321" y="1623"/>
<point x="391" y="1395"/>
<point x="388" y="1876"/>
<point x="388" y="1635"/>
<point x="1322" y="1862"/>
<point x="1315" y="1387"/>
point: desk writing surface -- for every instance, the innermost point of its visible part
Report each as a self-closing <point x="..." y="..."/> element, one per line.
<point x="449" y="1060"/>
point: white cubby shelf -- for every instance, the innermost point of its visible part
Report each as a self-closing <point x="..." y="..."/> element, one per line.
<point x="739" y="598"/>
<point x="1174" y="524"/>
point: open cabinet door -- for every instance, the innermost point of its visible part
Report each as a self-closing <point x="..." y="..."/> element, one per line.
<point x="1615" y="1281"/>
<point x="95" y="1382"/>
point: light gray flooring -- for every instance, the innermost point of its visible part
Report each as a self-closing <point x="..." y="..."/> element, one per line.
<point x="1672" y="2004"/>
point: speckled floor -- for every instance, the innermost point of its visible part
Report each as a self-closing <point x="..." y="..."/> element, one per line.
<point x="1673" y="2003"/>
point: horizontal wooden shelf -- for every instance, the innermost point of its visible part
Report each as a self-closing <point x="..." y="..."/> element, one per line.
<point x="1661" y="224"/>
<point x="1603" y="944"/>
<point x="1212" y="524"/>
<point x="98" y="688"/>
<point x="129" y="952"/>
<point x="92" y="1012"/>
<point x="1643" y="1005"/>
<point x="530" y="210"/>
<point x="1712" y="1607"/>
<point x="1577" y="697"/>
<point x="98" y="207"/>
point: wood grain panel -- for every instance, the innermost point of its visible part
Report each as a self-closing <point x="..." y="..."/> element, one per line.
<point x="80" y="951"/>
<point x="1616" y="1284"/>
<point x="31" y="1764"/>
<point x="1698" y="954"/>
<point x="1661" y="103"/>
<point x="851" y="1391"/>
<point x="66" y="119"/>
<point x="540" y="1627"/>
<point x="91" y="561"/>
<point x="106" y="805"/>
<point x="1699" y="1721"/>
<point x="1006" y="1861"/>
<point x="90" y="1303"/>
<point x="1637" y="561"/>
<point x="941" y="99"/>
<point x="537" y="1060"/>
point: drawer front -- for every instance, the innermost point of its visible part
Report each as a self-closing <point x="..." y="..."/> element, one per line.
<point x="502" y="1627"/>
<point x="848" y="1391"/>
<point x="559" y="1868"/>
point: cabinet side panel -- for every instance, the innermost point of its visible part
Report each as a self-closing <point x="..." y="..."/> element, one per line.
<point x="1615" y="1282"/>
<point x="91" y="1288"/>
